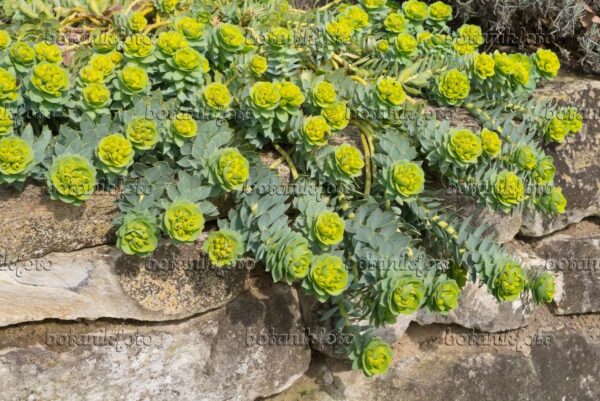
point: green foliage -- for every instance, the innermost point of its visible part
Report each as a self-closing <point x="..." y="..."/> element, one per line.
<point x="181" y="111"/>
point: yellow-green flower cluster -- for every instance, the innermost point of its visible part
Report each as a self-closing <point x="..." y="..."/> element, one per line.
<point x="415" y="10"/>
<point x="491" y="143"/>
<point x="48" y="52"/>
<point x="406" y="44"/>
<point x="21" y="53"/>
<point x="373" y="4"/>
<point x="8" y="87"/>
<point x="137" y="22"/>
<point x="230" y="37"/>
<point x="395" y="22"/>
<point x="224" y="247"/>
<point x="329" y="228"/>
<point x="406" y="179"/>
<point x="217" y="96"/>
<point x="134" y="79"/>
<point x="324" y="94"/>
<point x="258" y="65"/>
<point x="484" y="66"/>
<point x="454" y="86"/>
<point x="115" y="152"/>
<point x="137" y="236"/>
<point x="6" y="121"/>
<point x="265" y="96"/>
<point x="142" y="133"/>
<point x="544" y="172"/>
<point x="509" y="189"/>
<point x="440" y="11"/>
<point x="316" y="130"/>
<point x="445" y="296"/>
<point x="543" y="288"/>
<point x="356" y="16"/>
<point x="72" y="178"/>
<point x="50" y="79"/>
<point x="5" y="39"/>
<point x="96" y="96"/>
<point x="184" y="126"/>
<point x="464" y="146"/>
<point x="406" y="295"/>
<point x="231" y="169"/>
<point x="469" y="39"/>
<point x="190" y="27"/>
<point x="184" y="221"/>
<point x="563" y="124"/>
<point x="290" y="94"/>
<point x="16" y="155"/>
<point x="328" y="275"/>
<point x="554" y="201"/>
<point x="390" y="91"/>
<point x="376" y="357"/>
<point x="138" y="46"/>
<point x="167" y="6"/>
<point x="547" y="63"/>
<point x="279" y="37"/>
<point x="104" y="42"/>
<point x="510" y="282"/>
<point x="170" y="41"/>
<point x="349" y="160"/>
<point x="525" y="158"/>
<point x="336" y="115"/>
<point x="340" y="30"/>
<point x="103" y="63"/>
<point x="189" y="60"/>
<point x="90" y="75"/>
<point x="289" y="258"/>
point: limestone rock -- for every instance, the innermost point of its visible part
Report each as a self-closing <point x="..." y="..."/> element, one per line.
<point x="103" y="282"/>
<point x="208" y="357"/>
<point x="578" y="170"/>
<point x="33" y="225"/>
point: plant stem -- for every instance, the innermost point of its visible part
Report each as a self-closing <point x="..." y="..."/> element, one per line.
<point x="288" y="159"/>
<point x="485" y="118"/>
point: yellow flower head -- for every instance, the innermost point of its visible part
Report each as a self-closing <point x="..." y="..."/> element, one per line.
<point x="337" y="115"/>
<point x="73" y="178"/>
<point x="415" y="10"/>
<point x="406" y="44"/>
<point x="96" y="95"/>
<point x="48" y="52"/>
<point x="525" y="158"/>
<point x="5" y="39"/>
<point x="547" y="63"/>
<point x="556" y="201"/>
<point x="340" y="30"/>
<point x="184" y="221"/>
<point x="258" y="65"/>
<point x="190" y="27"/>
<point x="103" y="63"/>
<point x="349" y="160"/>
<point x="383" y="45"/>
<point x="138" y="46"/>
<point x="484" y="65"/>
<point x="134" y="78"/>
<point x="290" y="93"/>
<point x="395" y="22"/>
<point x="505" y="65"/>
<point x="279" y="37"/>
<point x="104" y="42"/>
<point x="556" y="130"/>
<point x="490" y="142"/>
<point x="16" y="155"/>
<point x="115" y="152"/>
<point x="440" y="11"/>
<point x="116" y="57"/>
<point x="230" y="37"/>
<point x="454" y="86"/>
<point x="324" y="94"/>
<point x="509" y="189"/>
<point x="188" y="59"/>
<point x="265" y="95"/>
<point x="91" y="75"/>
<point x="223" y="247"/>
<point x="316" y="130"/>
<point x="184" y="126"/>
<point x="171" y="41"/>
<point x="357" y="15"/>
<point x="543" y="288"/>
<point x="390" y="91"/>
<point x="50" y="79"/>
<point x="22" y="53"/>
<point x="376" y="357"/>
<point x="406" y="179"/>
<point x="142" y="133"/>
<point x="328" y="275"/>
<point x="511" y="281"/>
<point x="373" y="4"/>
<point x="6" y="121"/>
<point x="573" y="120"/>
<point x="522" y="68"/>
<point x="544" y="172"/>
<point x="8" y="86"/>
<point x="464" y="146"/>
<point x="232" y="169"/>
<point x="137" y="236"/>
<point x="217" y="96"/>
<point x="137" y="22"/>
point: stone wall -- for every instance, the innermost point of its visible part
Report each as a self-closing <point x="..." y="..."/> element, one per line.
<point x="80" y="321"/>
